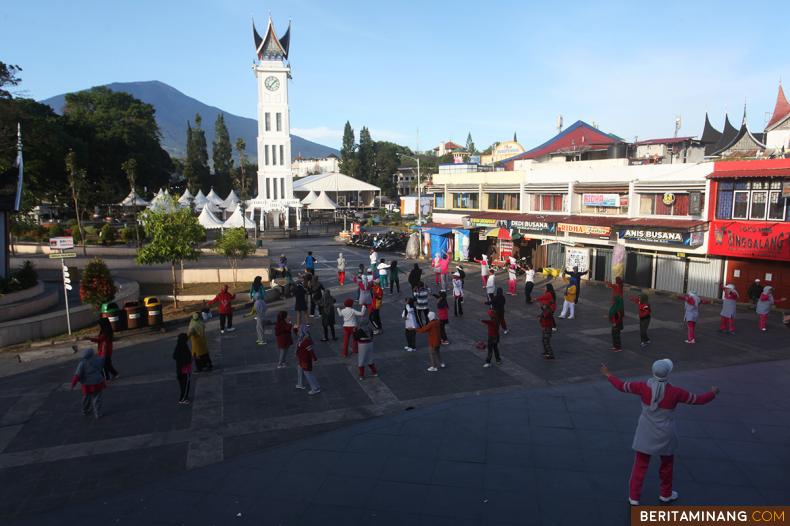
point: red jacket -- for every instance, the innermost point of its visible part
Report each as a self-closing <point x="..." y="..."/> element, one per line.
<point x="224" y="299"/>
<point x="644" y="308"/>
<point x="434" y="330"/>
<point x="306" y="355"/>
<point x="103" y="344"/>
<point x="282" y="332"/>
<point x="672" y="395"/>
<point x="493" y="327"/>
<point x="546" y="319"/>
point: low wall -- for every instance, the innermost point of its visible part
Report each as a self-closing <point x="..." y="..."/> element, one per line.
<point x="22" y="249"/>
<point x="191" y="275"/>
<point x="54" y="323"/>
<point x="15" y="297"/>
<point x="30" y="306"/>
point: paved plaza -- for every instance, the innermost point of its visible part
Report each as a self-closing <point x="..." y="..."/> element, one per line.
<point x="530" y="442"/>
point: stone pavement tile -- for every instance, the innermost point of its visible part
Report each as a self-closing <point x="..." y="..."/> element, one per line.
<point x="608" y="461"/>
<point x="242" y="481"/>
<point x="515" y="431"/>
<point x="554" y="510"/>
<point x="407" y="470"/>
<point x="556" y="436"/>
<point x="613" y="513"/>
<point x="503" y="477"/>
<point x="700" y="448"/>
<point x="688" y="428"/>
<point x="390" y="518"/>
<point x="608" y="486"/>
<point x="424" y="426"/>
<point x="755" y="452"/>
<point x="463" y="448"/>
<point x="299" y="481"/>
<point x="595" y="440"/>
<point x="128" y="410"/>
<point x="766" y="476"/>
<point x="553" y="457"/>
<point x="721" y="471"/>
<point x="417" y="447"/>
<point x="234" y="446"/>
<point x="343" y="491"/>
<point x="465" y="474"/>
<point x="540" y="418"/>
<point x="391" y="496"/>
<point x="771" y="497"/>
<point x="371" y="443"/>
<point x="352" y="464"/>
<point x="459" y="503"/>
<point x="510" y="506"/>
<point x="509" y="454"/>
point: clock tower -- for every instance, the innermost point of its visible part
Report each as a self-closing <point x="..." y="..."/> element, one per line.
<point x="275" y="181"/>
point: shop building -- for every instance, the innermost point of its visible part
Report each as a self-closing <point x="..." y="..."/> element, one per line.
<point x="750" y="222"/>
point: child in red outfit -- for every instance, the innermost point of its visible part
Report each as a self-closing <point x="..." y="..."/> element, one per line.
<point x="282" y="333"/>
<point x="443" y="313"/>
<point x="492" y="325"/>
<point x="645" y="311"/>
<point x="306" y="356"/>
<point x="224" y="299"/>
<point x="547" y="324"/>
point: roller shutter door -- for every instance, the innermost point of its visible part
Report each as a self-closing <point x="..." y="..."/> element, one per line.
<point x="705" y="276"/>
<point x="670" y="273"/>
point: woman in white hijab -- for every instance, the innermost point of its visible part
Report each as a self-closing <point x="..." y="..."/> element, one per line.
<point x="655" y="433"/>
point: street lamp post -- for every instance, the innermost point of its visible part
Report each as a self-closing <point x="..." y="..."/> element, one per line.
<point x="419" y="197"/>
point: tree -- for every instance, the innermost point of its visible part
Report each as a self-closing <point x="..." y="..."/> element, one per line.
<point x="96" y="284"/>
<point x="191" y="176"/>
<point x="348" y="155"/>
<point x="366" y="156"/>
<point x="241" y="181"/>
<point x="470" y="144"/>
<point x="77" y="181"/>
<point x="107" y="128"/>
<point x="222" y="155"/>
<point x="233" y="244"/>
<point x="200" y="154"/>
<point x="387" y="163"/>
<point x="174" y="233"/>
<point x="8" y="77"/>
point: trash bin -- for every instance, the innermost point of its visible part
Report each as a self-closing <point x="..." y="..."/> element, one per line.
<point x="115" y="316"/>
<point x="259" y="243"/>
<point x="154" y="310"/>
<point x="135" y="315"/>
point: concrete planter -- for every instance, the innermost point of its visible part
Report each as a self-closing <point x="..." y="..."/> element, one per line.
<point x="22" y="295"/>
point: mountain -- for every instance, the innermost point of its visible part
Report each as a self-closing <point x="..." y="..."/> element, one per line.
<point x="174" y="109"/>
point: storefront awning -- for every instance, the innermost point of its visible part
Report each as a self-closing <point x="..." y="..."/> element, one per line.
<point x="680" y="224"/>
<point x="736" y="174"/>
<point x="437" y="231"/>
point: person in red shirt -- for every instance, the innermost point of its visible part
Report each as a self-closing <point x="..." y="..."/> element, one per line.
<point x="492" y="324"/>
<point x="375" y="308"/>
<point x="224" y="299"/>
<point x="443" y="312"/>
<point x="434" y="330"/>
<point x="546" y="320"/>
<point x="643" y="304"/>
<point x="617" y="286"/>
<point x="104" y="347"/>
<point x="282" y="333"/>
<point x="306" y="356"/>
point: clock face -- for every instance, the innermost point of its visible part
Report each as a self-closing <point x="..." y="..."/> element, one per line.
<point x="271" y="83"/>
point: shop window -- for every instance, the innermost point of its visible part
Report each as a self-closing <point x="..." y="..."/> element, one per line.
<point x="740" y="205"/>
<point x="759" y="205"/>
<point x="438" y="200"/>
<point x="653" y="204"/>
<point x="500" y="201"/>
<point x="465" y="200"/>
<point x="776" y="206"/>
<point x="724" y="203"/>
<point x="647" y="204"/>
<point x="548" y="202"/>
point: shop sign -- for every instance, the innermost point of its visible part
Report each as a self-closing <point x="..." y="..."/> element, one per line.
<point x="668" y="199"/>
<point x="604" y="200"/>
<point x="542" y="227"/>
<point x="750" y="239"/>
<point x="663" y="237"/>
<point x="505" y="248"/>
<point x="488" y="222"/>
<point x="585" y="230"/>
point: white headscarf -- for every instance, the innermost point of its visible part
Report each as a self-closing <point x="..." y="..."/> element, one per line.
<point x="693" y="295"/>
<point x="431" y="316"/>
<point x="767" y="289"/>
<point x="658" y="384"/>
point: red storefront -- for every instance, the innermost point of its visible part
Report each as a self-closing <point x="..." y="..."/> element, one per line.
<point x="750" y="222"/>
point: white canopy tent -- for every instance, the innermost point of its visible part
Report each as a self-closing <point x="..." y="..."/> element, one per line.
<point x="185" y="198"/>
<point x="214" y="198"/>
<point x="133" y="200"/>
<point x="309" y="198"/>
<point x="322" y="202"/>
<point x="231" y="202"/>
<point x="237" y="220"/>
<point x="340" y="185"/>
<point x="200" y="200"/>
<point x="208" y="220"/>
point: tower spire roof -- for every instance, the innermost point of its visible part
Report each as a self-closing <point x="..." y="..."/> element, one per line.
<point x="781" y="109"/>
<point x="271" y="47"/>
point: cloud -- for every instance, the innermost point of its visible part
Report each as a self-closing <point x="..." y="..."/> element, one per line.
<point x="320" y="134"/>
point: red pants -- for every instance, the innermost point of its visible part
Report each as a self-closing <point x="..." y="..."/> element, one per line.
<point x="727" y="324"/>
<point x="485" y="280"/>
<point x="511" y="286"/>
<point x="347" y="335"/>
<point x="641" y="461"/>
<point x="341" y="277"/>
<point x="372" y="370"/>
<point x="763" y="321"/>
<point x="691" y="325"/>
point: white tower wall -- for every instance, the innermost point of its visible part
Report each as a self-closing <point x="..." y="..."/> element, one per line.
<point x="275" y="180"/>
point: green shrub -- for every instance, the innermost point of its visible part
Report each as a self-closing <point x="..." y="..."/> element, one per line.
<point x="96" y="284"/>
<point x="22" y="278"/>
<point x="107" y="235"/>
<point x="55" y="230"/>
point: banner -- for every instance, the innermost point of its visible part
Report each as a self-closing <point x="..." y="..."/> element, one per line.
<point x="540" y="227"/>
<point x="489" y="222"/>
<point x="750" y="239"/>
<point x="461" y="245"/>
<point x="577" y="257"/>
<point x="662" y="237"/>
<point x="586" y="230"/>
<point x="605" y="200"/>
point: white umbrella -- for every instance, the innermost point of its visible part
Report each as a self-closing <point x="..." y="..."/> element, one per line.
<point x="322" y="202"/>
<point x="309" y="198"/>
<point x="237" y="220"/>
<point x="208" y="220"/>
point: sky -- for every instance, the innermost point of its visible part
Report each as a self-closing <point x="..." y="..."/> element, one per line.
<point x="420" y="72"/>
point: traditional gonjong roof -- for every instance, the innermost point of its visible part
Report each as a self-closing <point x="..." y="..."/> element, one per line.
<point x="271" y="47"/>
<point x="781" y="110"/>
<point x="710" y="136"/>
<point x="727" y="135"/>
<point x="744" y="142"/>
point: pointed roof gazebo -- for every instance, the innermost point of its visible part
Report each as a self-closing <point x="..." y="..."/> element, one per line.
<point x="238" y="220"/>
<point x="309" y="198"/>
<point x="208" y="220"/>
<point x="322" y="202"/>
<point x="781" y="111"/>
<point x="270" y="47"/>
<point x="133" y="199"/>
